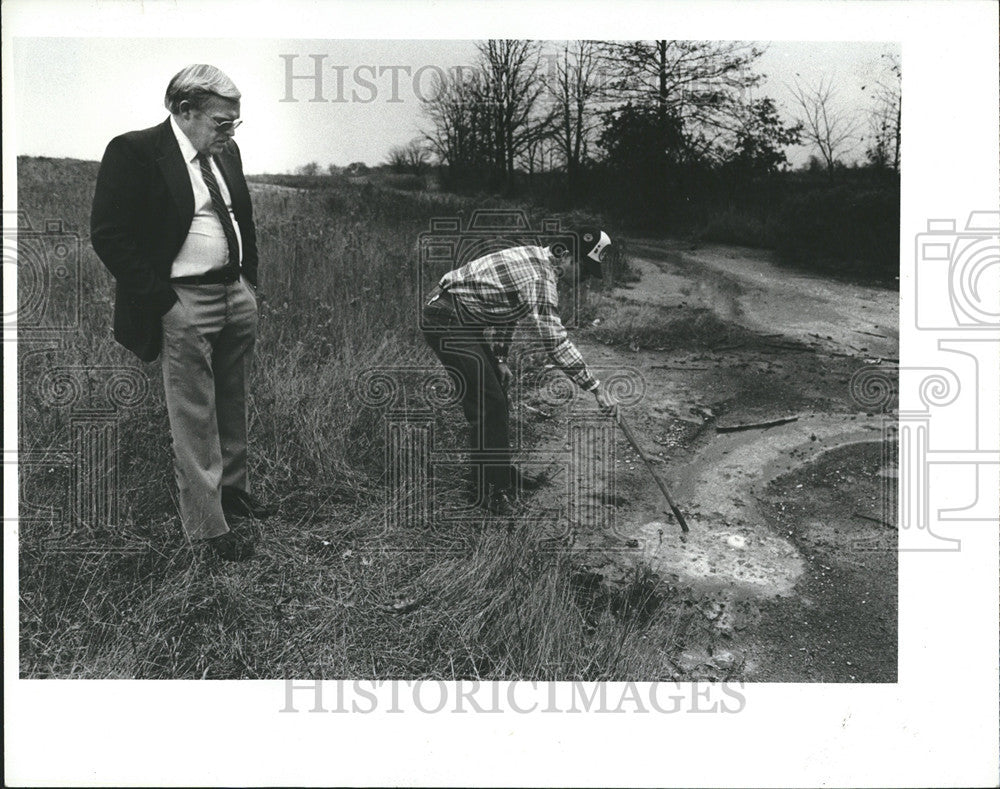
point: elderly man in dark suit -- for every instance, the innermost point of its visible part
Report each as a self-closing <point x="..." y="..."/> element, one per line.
<point x="172" y="221"/>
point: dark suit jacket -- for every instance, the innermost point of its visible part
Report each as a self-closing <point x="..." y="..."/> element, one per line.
<point x="142" y="211"/>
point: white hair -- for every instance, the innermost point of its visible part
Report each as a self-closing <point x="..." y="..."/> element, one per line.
<point x="197" y="84"/>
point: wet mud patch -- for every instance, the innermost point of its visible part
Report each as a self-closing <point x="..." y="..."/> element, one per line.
<point x="840" y="624"/>
<point x="789" y="571"/>
<point x="733" y="547"/>
<point x="748" y="414"/>
<point x="737" y="369"/>
<point x="689" y="633"/>
<point x="656" y="328"/>
<point x="757" y="387"/>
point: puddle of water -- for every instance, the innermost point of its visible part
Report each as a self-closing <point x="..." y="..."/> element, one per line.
<point x="750" y="560"/>
<point x="730" y="544"/>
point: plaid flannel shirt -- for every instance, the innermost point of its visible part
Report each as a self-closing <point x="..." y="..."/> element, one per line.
<point x="504" y="287"/>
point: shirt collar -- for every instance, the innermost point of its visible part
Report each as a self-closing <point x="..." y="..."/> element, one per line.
<point x="188" y="151"/>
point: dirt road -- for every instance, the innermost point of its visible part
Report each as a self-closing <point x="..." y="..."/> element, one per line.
<point x="790" y="565"/>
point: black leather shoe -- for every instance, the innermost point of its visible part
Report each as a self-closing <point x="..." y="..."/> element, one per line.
<point x="240" y="504"/>
<point x="230" y="547"/>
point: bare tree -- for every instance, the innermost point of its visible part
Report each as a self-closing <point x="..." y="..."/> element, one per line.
<point x="490" y="118"/>
<point x="575" y="84"/>
<point x="396" y="160"/>
<point x="409" y="158"/>
<point x="701" y="83"/>
<point x="832" y="129"/>
<point x="457" y="111"/>
<point x="512" y="88"/>
<point x="532" y="153"/>
<point x="416" y="156"/>
<point x="885" y="115"/>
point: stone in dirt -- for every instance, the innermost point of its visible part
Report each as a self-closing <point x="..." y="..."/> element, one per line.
<point x="723" y="660"/>
<point x="689" y="660"/>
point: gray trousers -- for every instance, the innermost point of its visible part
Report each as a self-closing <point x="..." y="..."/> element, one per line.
<point x="208" y="340"/>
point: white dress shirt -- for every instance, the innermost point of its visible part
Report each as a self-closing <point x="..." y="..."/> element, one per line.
<point x="205" y="247"/>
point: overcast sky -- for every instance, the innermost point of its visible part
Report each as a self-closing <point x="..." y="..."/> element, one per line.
<point x="73" y="94"/>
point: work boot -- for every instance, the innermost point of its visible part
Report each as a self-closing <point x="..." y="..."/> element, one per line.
<point x="238" y="503"/>
<point x="230" y="547"/>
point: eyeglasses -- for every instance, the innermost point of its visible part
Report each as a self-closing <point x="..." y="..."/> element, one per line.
<point x="226" y="125"/>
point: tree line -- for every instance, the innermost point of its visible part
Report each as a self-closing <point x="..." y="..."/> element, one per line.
<point x="641" y="107"/>
<point x="673" y="136"/>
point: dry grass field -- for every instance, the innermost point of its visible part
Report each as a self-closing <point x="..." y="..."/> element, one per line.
<point x="356" y="577"/>
<point x="332" y="592"/>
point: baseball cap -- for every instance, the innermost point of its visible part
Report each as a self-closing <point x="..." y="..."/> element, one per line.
<point x="594" y="245"/>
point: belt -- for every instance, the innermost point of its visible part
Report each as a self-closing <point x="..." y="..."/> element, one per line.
<point x="219" y="276"/>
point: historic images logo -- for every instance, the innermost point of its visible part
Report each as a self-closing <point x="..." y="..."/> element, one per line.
<point x="948" y="433"/>
<point x="68" y="488"/>
<point x="47" y="266"/>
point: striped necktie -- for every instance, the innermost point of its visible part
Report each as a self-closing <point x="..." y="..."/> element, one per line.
<point x="219" y="205"/>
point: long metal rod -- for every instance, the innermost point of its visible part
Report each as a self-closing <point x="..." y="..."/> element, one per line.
<point x="649" y="464"/>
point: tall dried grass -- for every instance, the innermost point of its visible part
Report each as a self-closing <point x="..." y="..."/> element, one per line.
<point x="334" y="591"/>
